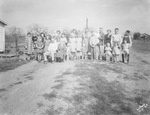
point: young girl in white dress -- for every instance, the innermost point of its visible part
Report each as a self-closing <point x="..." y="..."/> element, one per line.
<point x="126" y="51"/>
<point x="108" y="52"/>
<point x="116" y="52"/>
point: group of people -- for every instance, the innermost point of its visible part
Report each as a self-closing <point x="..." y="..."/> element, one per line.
<point x="87" y="45"/>
<point x="111" y="46"/>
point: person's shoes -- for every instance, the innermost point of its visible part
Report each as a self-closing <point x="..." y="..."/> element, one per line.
<point x="125" y="61"/>
<point x="45" y="62"/>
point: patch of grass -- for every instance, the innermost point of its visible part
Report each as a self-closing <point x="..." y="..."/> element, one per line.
<point x="11" y="64"/>
<point x="139" y="76"/>
<point x="29" y="77"/>
<point x="147" y="73"/>
<point x="145" y="62"/>
<point x="58" y="86"/>
<point x="79" y="98"/>
<point x="66" y="73"/>
<point x="95" y="95"/>
<point x="50" y="96"/>
<point x="135" y="76"/>
<point x="40" y="104"/>
<point x="115" y="69"/>
<point x="18" y="83"/>
<point x="2" y="90"/>
<point x="106" y="93"/>
<point x="53" y="111"/>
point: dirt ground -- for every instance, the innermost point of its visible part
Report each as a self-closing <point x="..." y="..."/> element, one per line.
<point x="81" y="87"/>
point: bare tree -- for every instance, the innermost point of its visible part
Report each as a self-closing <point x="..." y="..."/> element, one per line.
<point x="14" y="31"/>
<point x="12" y="35"/>
<point x="137" y="36"/>
<point x="37" y="29"/>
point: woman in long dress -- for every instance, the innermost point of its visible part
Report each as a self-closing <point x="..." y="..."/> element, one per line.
<point x="28" y="46"/>
<point x="39" y="48"/>
<point x="73" y="45"/>
<point x="61" y="52"/>
<point x="79" y="46"/>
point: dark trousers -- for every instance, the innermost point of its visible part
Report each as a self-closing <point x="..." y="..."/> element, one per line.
<point x="125" y="56"/>
<point x="92" y="53"/>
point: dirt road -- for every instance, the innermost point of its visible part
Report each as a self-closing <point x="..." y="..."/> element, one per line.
<point x="21" y="89"/>
<point x="79" y="87"/>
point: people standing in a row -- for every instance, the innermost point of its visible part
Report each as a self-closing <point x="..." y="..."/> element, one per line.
<point x="111" y="44"/>
<point x="76" y="45"/>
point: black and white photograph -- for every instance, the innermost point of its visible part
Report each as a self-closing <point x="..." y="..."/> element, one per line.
<point x="74" y="57"/>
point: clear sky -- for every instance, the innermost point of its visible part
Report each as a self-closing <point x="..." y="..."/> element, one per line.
<point x="59" y="14"/>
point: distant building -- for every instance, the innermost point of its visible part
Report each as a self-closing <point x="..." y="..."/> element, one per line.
<point x="2" y="35"/>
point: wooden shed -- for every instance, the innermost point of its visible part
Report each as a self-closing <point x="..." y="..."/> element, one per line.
<point x="2" y="35"/>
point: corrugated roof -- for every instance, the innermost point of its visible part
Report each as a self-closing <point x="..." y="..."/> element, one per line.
<point x="1" y="21"/>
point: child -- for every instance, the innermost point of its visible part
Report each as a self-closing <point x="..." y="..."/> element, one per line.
<point x="68" y="51"/>
<point x="79" y="47"/>
<point x="63" y="38"/>
<point x="73" y="47"/>
<point x="61" y="51"/>
<point x="39" y="48"/>
<point x="83" y="50"/>
<point x="125" y="51"/>
<point x="116" y="52"/>
<point x="108" y="51"/>
<point x="34" y="40"/>
<point x="51" y="50"/>
<point x="28" y="46"/>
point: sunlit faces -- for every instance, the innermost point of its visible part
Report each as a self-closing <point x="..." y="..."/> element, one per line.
<point x="93" y="33"/>
<point x="100" y="30"/>
<point x="42" y="35"/>
<point x="125" y="41"/>
<point x="29" y="34"/>
<point x="108" y="44"/>
<point x="58" y="32"/>
<point x="39" y="39"/>
<point x="108" y="31"/>
<point x="53" y="40"/>
<point x="86" y="30"/>
<point x="63" y="35"/>
<point x="48" y="37"/>
<point x="116" y="30"/>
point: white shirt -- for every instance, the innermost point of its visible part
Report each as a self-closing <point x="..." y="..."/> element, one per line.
<point x="93" y="41"/>
<point x="53" y="47"/>
<point x="64" y="40"/>
<point x="116" y="38"/>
